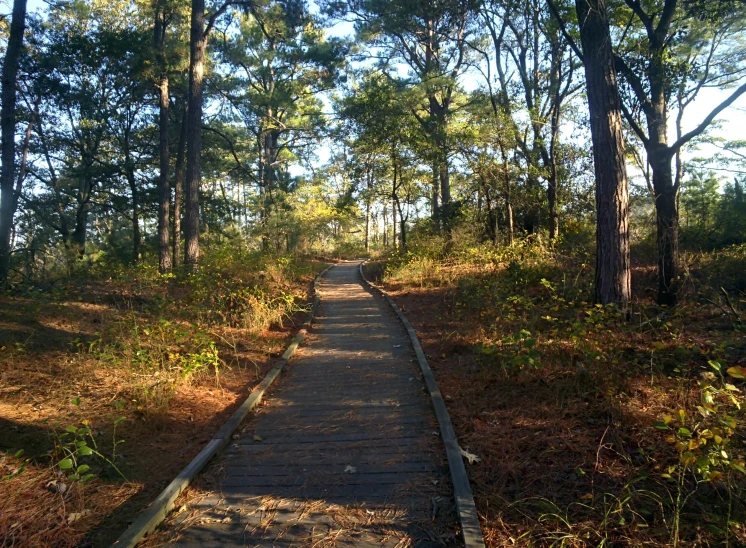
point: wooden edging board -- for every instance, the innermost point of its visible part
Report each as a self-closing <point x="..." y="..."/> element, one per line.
<point x="157" y="511"/>
<point x="465" y="507"/>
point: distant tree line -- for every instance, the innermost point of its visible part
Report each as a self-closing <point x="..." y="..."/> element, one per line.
<point x="131" y="129"/>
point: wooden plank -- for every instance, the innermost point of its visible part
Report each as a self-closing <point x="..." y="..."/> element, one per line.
<point x="353" y="397"/>
<point x="324" y="480"/>
<point x="157" y="511"/>
<point x="346" y="494"/>
<point x="326" y="467"/>
<point x="351" y="450"/>
<point x="349" y="403"/>
<point x="358" y="407"/>
<point x="467" y="511"/>
<point x="394" y="390"/>
<point x="346" y="378"/>
<point x="286" y="425"/>
<point x="396" y="436"/>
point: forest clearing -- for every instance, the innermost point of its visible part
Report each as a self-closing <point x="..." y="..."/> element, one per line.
<point x="550" y="193"/>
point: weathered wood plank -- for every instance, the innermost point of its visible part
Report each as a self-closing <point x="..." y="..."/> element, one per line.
<point x="324" y="467"/>
<point x="327" y="481"/>
<point x="349" y="429"/>
<point x="350" y="494"/>
<point x="374" y="438"/>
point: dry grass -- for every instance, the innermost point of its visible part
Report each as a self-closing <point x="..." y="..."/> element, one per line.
<point x="570" y="455"/>
<point x="168" y="355"/>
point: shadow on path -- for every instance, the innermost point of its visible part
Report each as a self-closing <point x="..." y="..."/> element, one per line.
<point x="344" y="453"/>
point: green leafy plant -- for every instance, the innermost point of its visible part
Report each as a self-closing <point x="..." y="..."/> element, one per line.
<point x="77" y="443"/>
<point x="703" y="440"/>
<point x="524" y="350"/>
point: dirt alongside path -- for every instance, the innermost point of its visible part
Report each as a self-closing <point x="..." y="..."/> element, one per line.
<point x="345" y="452"/>
<point x="89" y="353"/>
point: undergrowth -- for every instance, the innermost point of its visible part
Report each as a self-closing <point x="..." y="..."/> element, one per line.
<point x="123" y="343"/>
<point x="595" y="428"/>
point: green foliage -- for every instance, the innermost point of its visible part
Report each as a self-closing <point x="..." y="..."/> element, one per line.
<point x="77" y="444"/>
<point x="703" y="442"/>
<point x="523" y="317"/>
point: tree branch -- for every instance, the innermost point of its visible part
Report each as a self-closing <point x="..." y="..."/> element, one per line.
<point x="634" y="125"/>
<point x="710" y="117"/>
<point x="635" y="83"/>
<point x="635" y="6"/>
<point x="561" y="23"/>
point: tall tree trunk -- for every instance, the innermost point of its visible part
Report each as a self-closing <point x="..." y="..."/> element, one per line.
<point x="164" y="189"/>
<point x="491" y="220"/>
<point x="613" y="281"/>
<point x="367" y="224"/>
<point x="508" y="200"/>
<point x="8" y="199"/>
<point x="80" y="232"/>
<point x="394" y="241"/>
<point x="385" y="227"/>
<point x="552" y="200"/>
<point x="83" y="198"/>
<point x="660" y="156"/>
<point x="263" y="178"/>
<point x="197" y="46"/>
<point x="136" y="236"/>
<point x="438" y="130"/>
<point x="434" y="211"/>
<point x="667" y="227"/>
<point x="553" y="181"/>
<point x="445" y="186"/>
<point x="368" y="185"/>
<point x="178" y="188"/>
<point x="402" y="231"/>
<point x="511" y="223"/>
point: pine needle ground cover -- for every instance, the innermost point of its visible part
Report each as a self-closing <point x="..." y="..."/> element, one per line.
<point x="110" y="384"/>
<point x="591" y="428"/>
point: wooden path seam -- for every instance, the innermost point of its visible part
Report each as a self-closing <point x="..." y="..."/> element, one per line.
<point x="465" y="506"/>
<point x="157" y="511"/>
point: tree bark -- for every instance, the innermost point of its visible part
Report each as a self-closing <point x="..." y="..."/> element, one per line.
<point x="508" y="199"/>
<point x="8" y="198"/>
<point x="445" y="189"/>
<point x="439" y="128"/>
<point x="394" y="241"/>
<point x="434" y="211"/>
<point x="164" y="189"/>
<point x="136" y="236"/>
<point x="511" y="224"/>
<point x="402" y="230"/>
<point x="667" y="228"/>
<point x="552" y="202"/>
<point x="660" y="156"/>
<point x="197" y="46"/>
<point x="613" y="281"/>
<point x="385" y="228"/>
<point x="178" y="188"/>
<point x="651" y="84"/>
<point x="80" y="232"/>
<point x="367" y="213"/>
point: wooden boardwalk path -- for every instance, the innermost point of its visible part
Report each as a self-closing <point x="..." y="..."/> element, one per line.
<point x="346" y="452"/>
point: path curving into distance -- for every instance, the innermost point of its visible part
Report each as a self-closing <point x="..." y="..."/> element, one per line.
<point x="346" y="451"/>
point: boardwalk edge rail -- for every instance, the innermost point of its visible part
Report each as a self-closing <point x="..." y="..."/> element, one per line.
<point x="465" y="507"/>
<point x="150" y="518"/>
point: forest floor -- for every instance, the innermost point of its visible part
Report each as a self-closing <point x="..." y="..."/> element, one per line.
<point x="103" y="379"/>
<point x="593" y="429"/>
